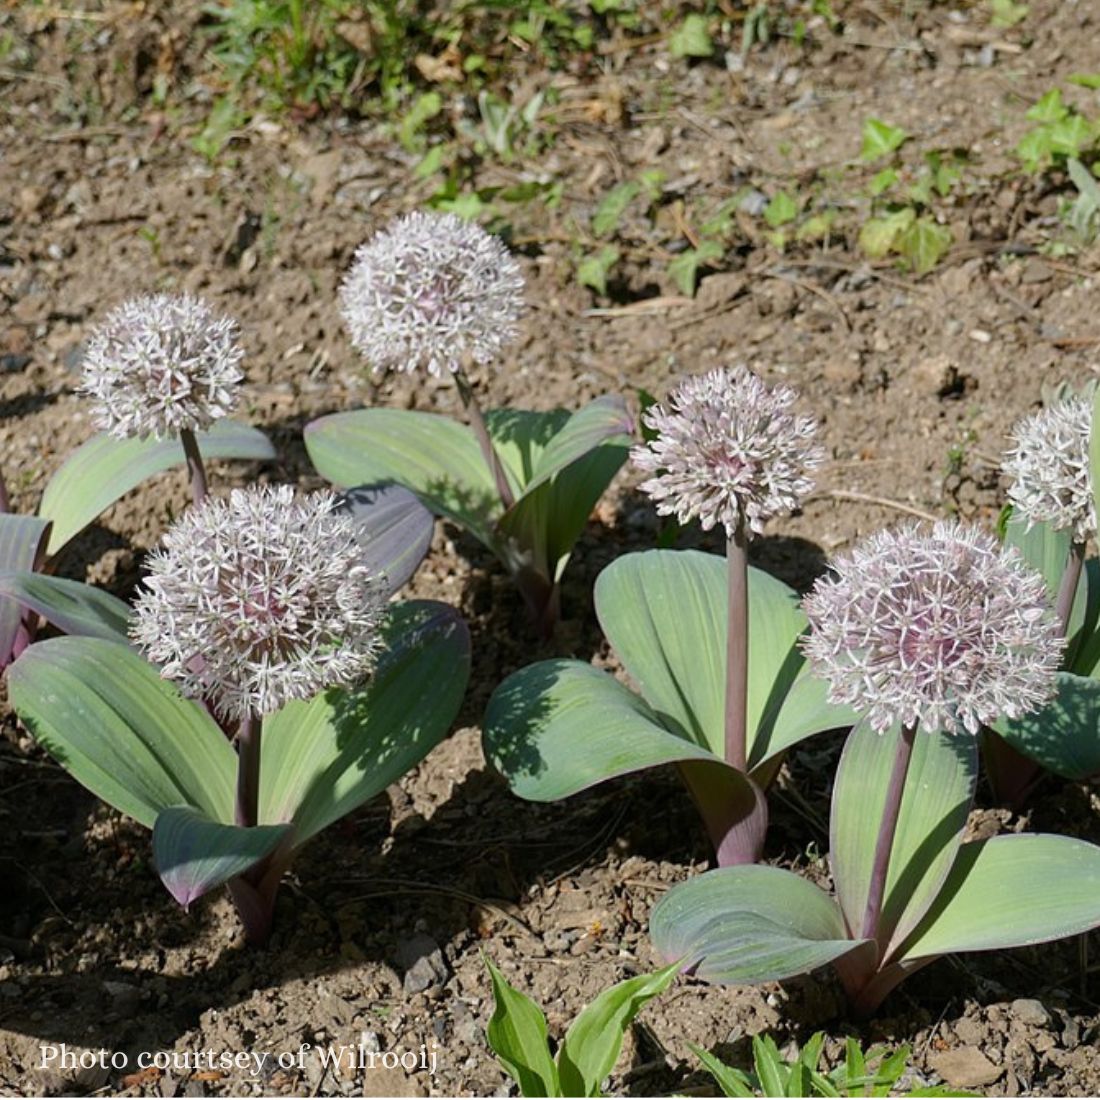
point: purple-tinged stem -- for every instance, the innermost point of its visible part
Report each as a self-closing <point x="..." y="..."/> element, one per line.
<point x="248" y="770"/>
<point x="1067" y="590"/>
<point x="737" y="650"/>
<point x="887" y="830"/>
<point x="488" y="451"/>
<point x="195" y="469"/>
<point x="5" y="500"/>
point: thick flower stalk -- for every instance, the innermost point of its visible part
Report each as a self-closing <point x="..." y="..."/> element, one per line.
<point x="435" y="292"/>
<point x="728" y="450"/>
<point x="944" y="630"/>
<point x="257" y="600"/>
<point x="162" y="366"/>
<point x="1049" y="467"/>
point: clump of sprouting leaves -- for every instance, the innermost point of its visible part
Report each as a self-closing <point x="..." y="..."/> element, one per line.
<point x="433" y="292"/>
<point x="712" y="644"/>
<point x="302" y="692"/>
<point x="518" y="1035"/>
<point x="928" y="636"/>
<point x="163" y="373"/>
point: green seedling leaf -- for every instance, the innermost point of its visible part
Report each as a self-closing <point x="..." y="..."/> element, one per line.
<point x="780" y="210"/>
<point x="1085" y="80"/>
<point x="105" y="469"/>
<point x="750" y="924"/>
<point x="517" y="1034"/>
<point x="108" y="718"/>
<point x="880" y="139"/>
<point x="592" y="271"/>
<point x="21" y="543"/>
<point x="772" y="1074"/>
<point x="74" y="608"/>
<point x="1035" y="148"/>
<point x="1065" y="735"/>
<point x="1049" y="109"/>
<point x="1039" y="888"/>
<point x="592" y="1043"/>
<point x="939" y="791"/>
<point x="816" y="228"/>
<point x="1071" y="135"/>
<point x="924" y="243"/>
<point x="879" y="236"/>
<point x="1007" y="13"/>
<point x="731" y="1081"/>
<point x="327" y="757"/>
<point x="684" y="269"/>
<point x="691" y="38"/>
<point x="193" y="855"/>
<point x="612" y="207"/>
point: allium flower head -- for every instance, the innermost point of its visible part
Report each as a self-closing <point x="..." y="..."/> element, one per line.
<point x="431" y="290"/>
<point x="945" y="630"/>
<point x="160" y="364"/>
<point x="1049" y="467"/>
<point x="728" y="449"/>
<point x="260" y="599"/>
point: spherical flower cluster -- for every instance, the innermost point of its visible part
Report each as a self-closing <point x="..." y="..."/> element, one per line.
<point x="161" y="364"/>
<point x="728" y="450"/>
<point x="260" y="599"/>
<point x="945" y="630"/>
<point x="432" y="290"/>
<point x="1049" y="467"/>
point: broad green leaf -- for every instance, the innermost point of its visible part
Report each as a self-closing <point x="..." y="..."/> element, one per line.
<point x="592" y="1043"/>
<point x="604" y="420"/>
<point x="939" y="790"/>
<point x="924" y="243"/>
<point x="72" y="607"/>
<point x="521" y="437"/>
<point x="691" y="38"/>
<point x="105" y="469"/>
<point x="1035" y="148"/>
<point x="1011" y="891"/>
<point x="1072" y="134"/>
<point x="880" y="139"/>
<point x="664" y="612"/>
<point x="21" y="540"/>
<point x="517" y="1034"/>
<point x="324" y="758"/>
<point x="434" y="456"/>
<point x="193" y="854"/>
<point x="394" y="528"/>
<point x="612" y="207"/>
<point x="1065" y="735"/>
<point x="108" y="718"/>
<point x="731" y="1081"/>
<point x="750" y="924"/>
<point x="558" y="727"/>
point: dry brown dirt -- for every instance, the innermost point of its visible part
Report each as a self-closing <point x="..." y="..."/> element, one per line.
<point x="915" y="379"/>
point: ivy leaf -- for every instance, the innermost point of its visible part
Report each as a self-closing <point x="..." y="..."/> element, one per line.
<point x="883" y="181"/>
<point x="780" y="210"/>
<point x="880" y="139"/>
<point x="879" y="235"/>
<point x="691" y="38"/>
<point x="1007" y="13"/>
<point x="593" y="270"/>
<point x="924" y="243"/>
<point x="613" y="206"/>
<point x="684" y="270"/>
<point x="1049" y="109"/>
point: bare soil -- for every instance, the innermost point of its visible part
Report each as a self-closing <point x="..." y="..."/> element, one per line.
<point x="916" y="380"/>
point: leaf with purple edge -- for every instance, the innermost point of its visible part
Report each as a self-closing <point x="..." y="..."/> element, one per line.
<point x="394" y="528"/>
<point x="105" y="469"/>
<point x="21" y="540"/>
<point x="74" y="608"/>
<point x="193" y="854"/>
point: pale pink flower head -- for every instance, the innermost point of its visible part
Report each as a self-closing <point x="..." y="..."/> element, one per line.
<point x="728" y="450"/>
<point x="1049" y="467"/>
<point x="431" y="291"/>
<point x="260" y="598"/>
<point x="161" y="364"/>
<point x="946" y="630"/>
